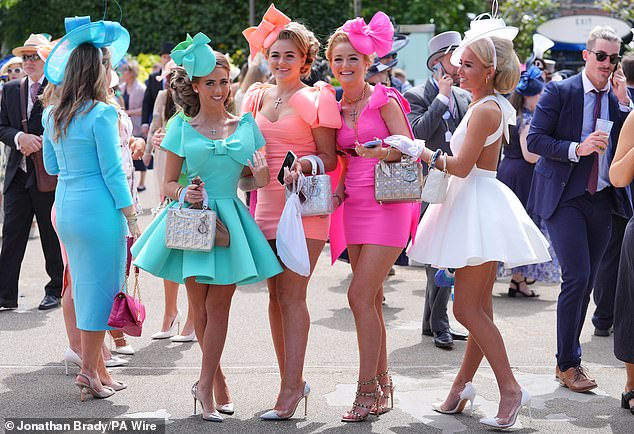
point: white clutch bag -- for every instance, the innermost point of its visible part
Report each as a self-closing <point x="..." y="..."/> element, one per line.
<point x="190" y="229"/>
<point x="436" y="182"/>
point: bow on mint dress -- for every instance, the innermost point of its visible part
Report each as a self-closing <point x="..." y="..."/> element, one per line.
<point x="219" y="163"/>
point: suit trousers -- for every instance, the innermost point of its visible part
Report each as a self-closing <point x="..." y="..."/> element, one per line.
<point x="580" y="231"/>
<point x="436" y="299"/>
<point x="20" y="205"/>
<point x="605" y="285"/>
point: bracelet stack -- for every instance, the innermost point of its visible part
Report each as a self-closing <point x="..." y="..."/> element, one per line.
<point x="178" y="192"/>
<point x="389" y="149"/>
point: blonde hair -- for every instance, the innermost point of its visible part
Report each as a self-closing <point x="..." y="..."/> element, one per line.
<point x="304" y="40"/>
<point x="183" y="91"/>
<point x="602" y="32"/>
<point x="507" y="71"/>
<point x="340" y="37"/>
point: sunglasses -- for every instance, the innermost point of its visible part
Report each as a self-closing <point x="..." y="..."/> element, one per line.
<point x="31" y="57"/>
<point x="16" y="70"/>
<point x="602" y="55"/>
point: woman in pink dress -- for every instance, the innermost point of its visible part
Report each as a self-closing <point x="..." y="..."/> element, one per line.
<point x="303" y="119"/>
<point x="375" y="233"/>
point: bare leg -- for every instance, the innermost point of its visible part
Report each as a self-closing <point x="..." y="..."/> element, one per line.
<point x="70" y="321"/>
<point x="211" y="317"/>
<point x="370" y="265"/>
<point x="290" y="292"/>
<point x="171" y="303"/>
<point x="188" y="327"/>
<point x="473" y="308"/>
<point x="92" y="361"/>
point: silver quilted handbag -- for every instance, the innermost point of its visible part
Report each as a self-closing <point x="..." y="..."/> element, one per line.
<point x="436" y="182"/>
<point x="315" y="189"/>
<point x="190" y="229"/>
<point x="400" y="181"/>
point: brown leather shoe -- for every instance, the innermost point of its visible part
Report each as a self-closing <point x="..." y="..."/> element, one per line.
<point x="576" y="379"/>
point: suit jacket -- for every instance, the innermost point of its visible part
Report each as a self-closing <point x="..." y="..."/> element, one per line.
<point x="151" y="90"/>
<point x="557" y="123"/>
<point x="11" y="124"/>
<point x="427" y="111"/>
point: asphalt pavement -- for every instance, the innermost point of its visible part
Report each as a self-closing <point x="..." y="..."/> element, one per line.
<point x="160" y="374"/>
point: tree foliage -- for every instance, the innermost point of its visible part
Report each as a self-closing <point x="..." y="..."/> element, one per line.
<point x="151" y="22"/>
<point x="526" y="15"/>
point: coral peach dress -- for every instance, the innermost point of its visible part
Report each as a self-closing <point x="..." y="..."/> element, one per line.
<point x="314" y="107"/>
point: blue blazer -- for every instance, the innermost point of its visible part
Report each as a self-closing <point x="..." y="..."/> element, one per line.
<point x="556" y="124"/>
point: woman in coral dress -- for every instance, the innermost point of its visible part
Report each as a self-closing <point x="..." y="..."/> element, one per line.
<point x="291" y="116"/>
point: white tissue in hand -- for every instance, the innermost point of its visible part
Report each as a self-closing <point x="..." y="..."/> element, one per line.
<point x="411" y="147"/>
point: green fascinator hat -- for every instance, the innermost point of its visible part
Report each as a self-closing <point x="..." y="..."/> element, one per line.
<point x="195" y="55"/>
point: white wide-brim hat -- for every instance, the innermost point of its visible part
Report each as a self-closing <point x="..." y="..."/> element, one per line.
<point x="481" y="28"/>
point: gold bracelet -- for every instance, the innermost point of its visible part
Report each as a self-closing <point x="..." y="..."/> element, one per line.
<point x="179" y="190"/>
<point x="389" y="149"/>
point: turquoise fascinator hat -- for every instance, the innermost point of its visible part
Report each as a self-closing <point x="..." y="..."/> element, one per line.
<point x="80" y="30"/>
<point x="195" y="55"/>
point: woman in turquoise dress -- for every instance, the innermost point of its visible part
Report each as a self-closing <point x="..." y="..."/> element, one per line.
<point x="221" y="149"/>
<point x="92" y="199"/>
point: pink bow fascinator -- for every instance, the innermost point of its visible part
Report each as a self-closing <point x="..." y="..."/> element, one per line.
<point x="262" y="37"/>
<point x="375" y="37"/>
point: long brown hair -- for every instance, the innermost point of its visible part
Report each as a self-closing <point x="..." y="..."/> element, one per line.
<point x="85" y="84"/>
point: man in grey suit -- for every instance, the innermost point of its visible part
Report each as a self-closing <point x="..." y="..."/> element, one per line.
<point x="437" y="108"/>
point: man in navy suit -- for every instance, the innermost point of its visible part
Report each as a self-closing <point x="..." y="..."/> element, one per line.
<point x="571" y="189"/>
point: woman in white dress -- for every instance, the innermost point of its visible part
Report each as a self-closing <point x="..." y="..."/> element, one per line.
<point x="481" y="221"/>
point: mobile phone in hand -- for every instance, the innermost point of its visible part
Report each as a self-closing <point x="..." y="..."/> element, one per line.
<point x="372" y="143"/>
<point x="437" y="71"/>
<point x="289" y="161"/>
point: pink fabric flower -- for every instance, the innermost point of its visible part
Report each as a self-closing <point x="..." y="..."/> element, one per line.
<point x="375" y="37"/>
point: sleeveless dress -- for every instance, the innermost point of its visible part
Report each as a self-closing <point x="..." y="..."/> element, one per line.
<point x="90" y="193"/>
<point x="315" y="107"/>
<point x="219" y="163"/>
<point x="481" y="219"/>
<point x="364" y="220"/>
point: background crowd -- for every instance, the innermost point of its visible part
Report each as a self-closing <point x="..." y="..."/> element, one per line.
<point x="75" y="109"/>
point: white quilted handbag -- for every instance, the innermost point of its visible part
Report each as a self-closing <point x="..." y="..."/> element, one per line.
<point x="316" y="189"/>
<point x="436" y="181"/>
<point x="190" y="229"/>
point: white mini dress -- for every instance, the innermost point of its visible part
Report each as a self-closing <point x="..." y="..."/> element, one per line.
<point x="481" y="219"/>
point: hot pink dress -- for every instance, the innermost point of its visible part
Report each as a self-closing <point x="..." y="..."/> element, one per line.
<point x="364" y="220"/>
<point x="315" y="107"/>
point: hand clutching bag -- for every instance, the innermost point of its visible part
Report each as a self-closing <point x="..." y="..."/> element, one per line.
<point x="316" y="188"/>
<point x="290" y="240"/>
<point x="190" y="229"/>
<point x="400" y="181"/>
<point x="436" y="181"/>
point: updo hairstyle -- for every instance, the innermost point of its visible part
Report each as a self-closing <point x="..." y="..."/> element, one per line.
<point x="304" y="40"/>
<point x="507" y="72"/>
<point x="183" y="91"/>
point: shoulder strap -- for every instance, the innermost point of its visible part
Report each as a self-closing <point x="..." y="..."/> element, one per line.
<point x="23" y="104"/>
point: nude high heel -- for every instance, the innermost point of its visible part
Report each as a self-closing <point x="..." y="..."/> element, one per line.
<point x="89" y="387"/>
<point x="494" y="422"/>
<point x="211" y="416"/>
<point x="467" y="394"/>
<point x="71" y="357"/>
<point x="275" y="415"/>
<point x="389" y="386"/>
<point x="353" y="415"/>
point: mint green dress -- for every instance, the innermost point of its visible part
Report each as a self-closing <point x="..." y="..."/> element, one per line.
<point x="219" y="163"/>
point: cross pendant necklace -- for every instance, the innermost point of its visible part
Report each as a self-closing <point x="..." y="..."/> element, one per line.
<point x="277" y="102"/>
<point x="353" y="115"/>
